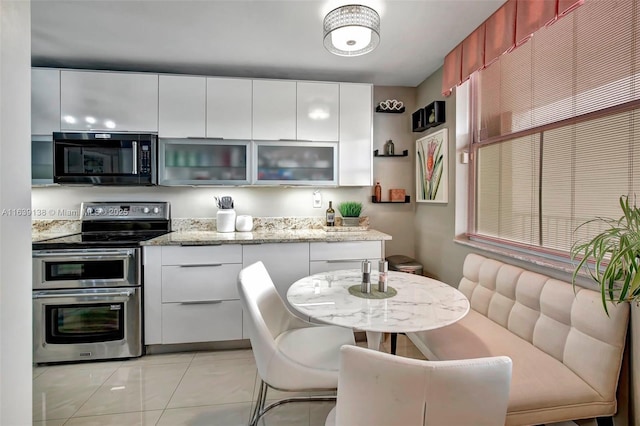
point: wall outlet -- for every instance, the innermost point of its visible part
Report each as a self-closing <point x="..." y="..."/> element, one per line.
<point x="317" y="199"/>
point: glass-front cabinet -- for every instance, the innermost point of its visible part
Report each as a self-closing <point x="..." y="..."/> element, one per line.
<point x="295" y="163"/>
<point x="203" y="162"/>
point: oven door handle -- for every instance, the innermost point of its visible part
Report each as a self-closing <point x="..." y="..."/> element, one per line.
<point x="54" y="295"/>
<point x="114" y="254"/>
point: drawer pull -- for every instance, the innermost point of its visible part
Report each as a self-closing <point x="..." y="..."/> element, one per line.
<point x="200" y="265"/>
<point x="344" y="260"/>
<point x="201" y="302"/>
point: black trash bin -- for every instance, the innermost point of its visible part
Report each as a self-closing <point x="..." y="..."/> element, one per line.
<point x="402" y="263"/>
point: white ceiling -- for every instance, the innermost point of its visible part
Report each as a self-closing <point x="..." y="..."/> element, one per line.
<point x="259" y="38"/>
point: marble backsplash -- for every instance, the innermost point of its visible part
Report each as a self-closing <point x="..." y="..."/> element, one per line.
<point x="63" y="227"/>
<point x="270" y="224"/>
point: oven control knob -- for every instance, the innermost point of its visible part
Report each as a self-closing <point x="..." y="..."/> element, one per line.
<point x="145" y="210"/>
<point x="156" y="210"/>
<point x="99" y="210"/>
<point x="90" y="210"/>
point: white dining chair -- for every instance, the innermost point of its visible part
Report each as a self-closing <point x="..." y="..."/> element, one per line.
<point x="291" y="354"/>
<point x="380" y="389"/>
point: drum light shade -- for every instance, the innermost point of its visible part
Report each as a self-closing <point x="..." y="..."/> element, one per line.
<point x="351" y="30"/>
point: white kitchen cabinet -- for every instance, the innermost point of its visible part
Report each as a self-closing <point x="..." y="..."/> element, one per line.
<point x="181" y="106"/>
<point x="45" y="101"/>
<point x="152" y="266"/>
<point x="295" y="163"/>
<point x="191" y="295"/>
<point x="332" y="256"/>
<point x="201" y="322"/>
<point x="203" y="162"/>
<point x="274" y="110"/>
<point x="109" y="101"/>
<point x="356" y="128"/>
<point x="285" y="262"/>
<point x="317" y="111"/>
<point x="229" y="102"/>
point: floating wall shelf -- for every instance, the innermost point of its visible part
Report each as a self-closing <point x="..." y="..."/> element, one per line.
<point x="430" y="116"/>
<point x="407" y="199"/>
<point x="404" y="154"/>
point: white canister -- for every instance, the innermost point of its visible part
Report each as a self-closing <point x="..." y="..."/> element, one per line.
<point x="226" y="220"/>
<point x="244" y="223"/>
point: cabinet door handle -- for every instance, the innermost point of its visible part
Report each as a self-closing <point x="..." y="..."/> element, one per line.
<point x="344" y="260"/>
<point x="200" y="265"/>
<point x="201" y="302"/>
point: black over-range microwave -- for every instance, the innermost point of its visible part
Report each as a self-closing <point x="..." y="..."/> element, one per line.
<point x="101" y="158"/>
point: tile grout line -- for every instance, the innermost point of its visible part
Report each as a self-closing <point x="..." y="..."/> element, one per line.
<point x="93" y="393"/>
<point x="176" y="388"/>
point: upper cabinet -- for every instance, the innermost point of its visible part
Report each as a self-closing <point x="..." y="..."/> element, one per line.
<point x="321" y="132"/>
<point x="356" y="144"/>
<point x="317" y="111"/>
<point x="198" y="107"/>
<point x="290" y="110"/>
<point x="111" y="101"/>
<point x="274" y="110"/>
<point x="229" y="108"/>
<point x="45" y="101"/>
<point x="181" y="106"/>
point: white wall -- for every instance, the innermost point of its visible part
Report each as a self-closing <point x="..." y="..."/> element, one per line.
<point x="435" y="223"/>
<point x="15" y="231"/>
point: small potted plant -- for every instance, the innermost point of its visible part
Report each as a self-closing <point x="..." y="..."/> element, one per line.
<point x="612" y="257"/>
<point x="350" y="211"/>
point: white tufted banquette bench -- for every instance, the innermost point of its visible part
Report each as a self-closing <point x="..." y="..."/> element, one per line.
<point x="566" y="352"/>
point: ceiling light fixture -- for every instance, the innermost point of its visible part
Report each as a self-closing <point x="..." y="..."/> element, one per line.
<point x="351" y="30"/>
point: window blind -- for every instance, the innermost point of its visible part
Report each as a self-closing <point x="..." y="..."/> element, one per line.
<point x="557" y="138"/>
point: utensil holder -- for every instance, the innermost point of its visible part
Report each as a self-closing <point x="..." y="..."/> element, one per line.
<point x="226" y="220"/>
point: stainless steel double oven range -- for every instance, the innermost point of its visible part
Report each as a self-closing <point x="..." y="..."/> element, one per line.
<point x="87" y="287"/>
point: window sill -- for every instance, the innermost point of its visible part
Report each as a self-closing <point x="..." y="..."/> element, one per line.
<point x="563" y="268"/>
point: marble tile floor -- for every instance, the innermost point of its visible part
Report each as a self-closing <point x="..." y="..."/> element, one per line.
<point x="193" y="388"/>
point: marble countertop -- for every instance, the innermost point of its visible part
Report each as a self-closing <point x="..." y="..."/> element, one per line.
<point x="263" y="236"/>
<point x="421" y="303"/>
<point x="202" y="231"/>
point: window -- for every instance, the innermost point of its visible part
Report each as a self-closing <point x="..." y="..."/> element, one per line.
<point x="557" y="129"/>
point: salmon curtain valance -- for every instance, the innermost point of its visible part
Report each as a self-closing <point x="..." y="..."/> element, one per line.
<point x="510" y="26"/>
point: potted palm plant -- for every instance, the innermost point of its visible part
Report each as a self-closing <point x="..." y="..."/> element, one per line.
<point x="350" y="211"/>
<point x="611" y="257"/>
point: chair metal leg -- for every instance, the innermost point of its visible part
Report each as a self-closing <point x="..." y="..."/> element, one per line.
<point x="260" y="401"/>
<point x="260" y="410"/>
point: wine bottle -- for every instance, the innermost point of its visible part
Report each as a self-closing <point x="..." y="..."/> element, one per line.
<point x="377" y="192"/>
<point x="331" y="215"/>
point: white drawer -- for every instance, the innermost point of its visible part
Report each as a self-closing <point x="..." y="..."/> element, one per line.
<point x="200" y="283"/>
<point x="334" y="265"/>
<point x="345" y="250"/>
<point x="191" y="323"/>
<point x="204" y="255"/>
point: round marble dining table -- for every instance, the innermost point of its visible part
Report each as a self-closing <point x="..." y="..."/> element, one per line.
<point x="421" y="303"/>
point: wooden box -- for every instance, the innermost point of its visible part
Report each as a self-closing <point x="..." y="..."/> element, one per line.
<point x="396" y="195"/>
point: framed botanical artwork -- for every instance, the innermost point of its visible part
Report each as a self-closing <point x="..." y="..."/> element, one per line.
<point x="431" y="168"/>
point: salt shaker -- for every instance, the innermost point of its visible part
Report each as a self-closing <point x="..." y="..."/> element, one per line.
<point x="383" y="268"/>
<point x="366" y="277"/>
